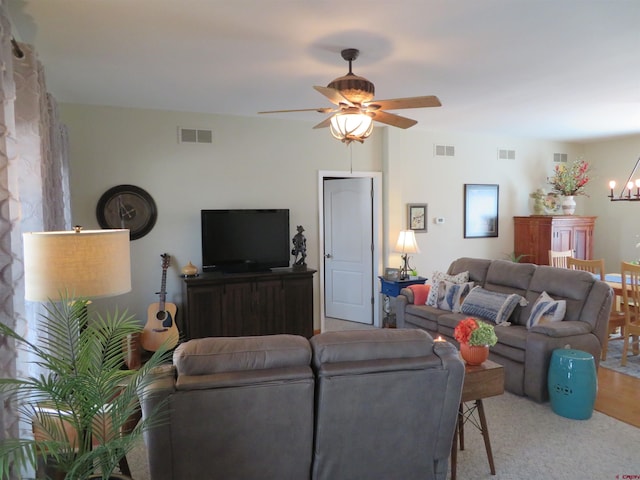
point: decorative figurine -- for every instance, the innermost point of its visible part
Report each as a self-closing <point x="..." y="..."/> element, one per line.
<point x="189" y="270"/>
<point x="299" y="248"/>
<point x="538" y="206"/>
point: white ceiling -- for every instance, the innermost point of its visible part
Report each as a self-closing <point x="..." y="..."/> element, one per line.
<point x="556" y="69"/>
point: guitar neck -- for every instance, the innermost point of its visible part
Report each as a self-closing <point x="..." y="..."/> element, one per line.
<point x="163" y="290"/>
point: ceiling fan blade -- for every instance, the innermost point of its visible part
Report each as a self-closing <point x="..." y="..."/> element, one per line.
<point x="325" y="123"/>
<point x="319" y="110"/>
<point x="393" y="119"/>
<point x="408" y="102"/>
<point x="334" y="95"/>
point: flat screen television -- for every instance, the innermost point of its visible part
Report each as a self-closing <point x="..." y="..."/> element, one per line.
<point x="244" y="240"/>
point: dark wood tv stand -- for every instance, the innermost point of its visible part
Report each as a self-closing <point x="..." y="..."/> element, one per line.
<point x="259" y="303"/>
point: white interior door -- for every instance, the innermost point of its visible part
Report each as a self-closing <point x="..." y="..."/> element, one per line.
<point x="348" y="240"/>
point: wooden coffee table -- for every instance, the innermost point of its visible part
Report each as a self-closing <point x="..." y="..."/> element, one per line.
<point x="481" y="381"/>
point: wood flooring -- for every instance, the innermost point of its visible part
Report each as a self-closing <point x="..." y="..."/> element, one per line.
<point x="618" y="396"/>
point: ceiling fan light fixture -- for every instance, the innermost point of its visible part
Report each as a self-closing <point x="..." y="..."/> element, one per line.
<point x="350" y="126"/>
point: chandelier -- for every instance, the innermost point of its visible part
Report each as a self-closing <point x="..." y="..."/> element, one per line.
<point x="630" y="196"/>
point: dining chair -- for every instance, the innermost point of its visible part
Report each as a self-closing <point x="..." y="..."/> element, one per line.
<point x="596" y="267"/>
<point x="616" y="317"/>
<point x="559" y="258"/>
<point x="631" y="305"/>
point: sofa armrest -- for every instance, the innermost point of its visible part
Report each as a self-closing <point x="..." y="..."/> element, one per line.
<point x="451" y="362"/>
<point x="562" y="329"/>
<point x="154" y="399"/>
<point x="408" y="294"/>
<point x="401" y="303"/>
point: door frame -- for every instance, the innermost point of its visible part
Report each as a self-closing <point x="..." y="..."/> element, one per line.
<point x="377" y="236"/>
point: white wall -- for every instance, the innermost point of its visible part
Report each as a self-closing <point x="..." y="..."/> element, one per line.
<point x="416" y="175"/>
<point x="253" y="163"/>
<point x="618" y="224"/>
<point x="265" y="162"/>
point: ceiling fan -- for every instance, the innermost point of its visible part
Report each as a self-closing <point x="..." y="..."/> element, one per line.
<point x="352" y="117"/>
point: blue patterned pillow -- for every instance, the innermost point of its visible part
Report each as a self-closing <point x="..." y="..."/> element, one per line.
<point x="451" y="295"/>
<point x="546" y="310"/>
<point x="438" y="277"/>
<point x="494" y="306"/>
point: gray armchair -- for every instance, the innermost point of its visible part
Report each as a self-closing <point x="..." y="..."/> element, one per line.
<point x="386" y="404"/>
<point x="237" y="408"/>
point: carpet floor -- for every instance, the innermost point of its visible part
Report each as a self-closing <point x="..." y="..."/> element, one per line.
<point x="529" y="442"/>
<point x="614" y="355"/>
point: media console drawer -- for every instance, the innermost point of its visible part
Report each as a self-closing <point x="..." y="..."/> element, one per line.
<point x="265" y="303"/>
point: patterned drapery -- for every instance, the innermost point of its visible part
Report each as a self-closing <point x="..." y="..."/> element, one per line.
<point x="34" y="193"/>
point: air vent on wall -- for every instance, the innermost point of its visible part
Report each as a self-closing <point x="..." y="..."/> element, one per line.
<point x="504" y="154"/>
<point x="444" y="150"/>
<point x="194" y="135"/>
<point x="560" y="157"/>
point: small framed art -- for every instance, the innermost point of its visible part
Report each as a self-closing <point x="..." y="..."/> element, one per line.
<point x="392" y="274"/>
<point x="480" y="210"/>
<point x="417" y="217"/>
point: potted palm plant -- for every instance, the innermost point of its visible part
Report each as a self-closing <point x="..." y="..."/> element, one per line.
<point x="85" y="399"/>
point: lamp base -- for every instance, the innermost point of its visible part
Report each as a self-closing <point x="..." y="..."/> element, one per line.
<point x="404" y="270"/>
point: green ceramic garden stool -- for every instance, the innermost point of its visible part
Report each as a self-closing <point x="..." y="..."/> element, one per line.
<point x="572" y="383"/>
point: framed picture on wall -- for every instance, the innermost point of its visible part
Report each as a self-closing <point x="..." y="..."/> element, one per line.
<point x="480" y="210"/>
<point x="417" y="217"/>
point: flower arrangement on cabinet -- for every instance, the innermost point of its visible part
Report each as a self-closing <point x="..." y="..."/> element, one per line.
<point x="570" y="180"/>
<point x="475" y="333"/>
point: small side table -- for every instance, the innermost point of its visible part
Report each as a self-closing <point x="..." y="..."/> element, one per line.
<point x="573" y="383"/>
<point x="480" y="381"/>
<point x="391" y="289"/>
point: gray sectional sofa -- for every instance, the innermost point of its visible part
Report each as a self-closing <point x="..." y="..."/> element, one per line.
<point x="524" y="353"/>
<point x="344" y="405"/>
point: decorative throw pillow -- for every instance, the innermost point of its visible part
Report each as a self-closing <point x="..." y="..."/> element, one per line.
<point x="451" y="295"/>
<point x="438" y="277"/>
<point x="546" y="310"/>
<point x="494" y="306"/>
<point x="420" y="292"/>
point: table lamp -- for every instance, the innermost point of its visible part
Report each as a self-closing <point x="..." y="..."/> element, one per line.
<point x="87" y="264"/>
<point x="406" y="244"/>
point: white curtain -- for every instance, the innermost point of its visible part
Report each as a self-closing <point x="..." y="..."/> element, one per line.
<point x="34" y="191"/>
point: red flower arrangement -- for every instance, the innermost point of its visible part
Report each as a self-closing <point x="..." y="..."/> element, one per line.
<point x="463" y="330"/>
<point x="570" y="179"/>
<point x="475" y="333"/>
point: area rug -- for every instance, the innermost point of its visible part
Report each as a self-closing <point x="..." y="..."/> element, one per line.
<point x="529" y="442"/>
<point x="614" y="355"/>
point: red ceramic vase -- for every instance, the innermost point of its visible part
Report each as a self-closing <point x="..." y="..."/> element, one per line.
<point x="474" y="354"/>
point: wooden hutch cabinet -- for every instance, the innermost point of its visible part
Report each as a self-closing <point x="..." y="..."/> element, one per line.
<point x="535" y="235"/>
<point x="265" y="303"/>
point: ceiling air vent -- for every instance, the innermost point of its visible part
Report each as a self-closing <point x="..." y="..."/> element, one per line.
<point x="560" y="157"/>
<point x="194" y="135"/>
<point x="444" y="150"/>
<point x="504" y="154"/>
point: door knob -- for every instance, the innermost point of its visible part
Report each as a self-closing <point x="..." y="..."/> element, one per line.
<point x="328" y="255"/>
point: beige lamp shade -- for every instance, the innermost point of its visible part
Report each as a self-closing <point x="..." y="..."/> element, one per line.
<point x="89" y="264"/>
<point x="407" y="242"/>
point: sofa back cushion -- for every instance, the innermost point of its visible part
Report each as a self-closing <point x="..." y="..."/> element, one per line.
<point x="386" y="404"/>
<point x="206" y="356"/>
<point x="573" y="286"/>
<point x="509" y="277"/>
<point x="477" y="268"/>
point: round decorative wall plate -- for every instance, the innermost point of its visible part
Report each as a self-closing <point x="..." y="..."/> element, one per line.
<point x="127" y="206"/>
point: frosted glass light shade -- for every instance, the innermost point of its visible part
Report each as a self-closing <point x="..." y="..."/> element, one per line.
<point x="407" y="242"/>
<point x="90" y="264"/>
<point x="351" y="126"/>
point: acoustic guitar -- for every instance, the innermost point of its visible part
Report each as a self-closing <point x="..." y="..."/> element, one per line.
<point x="161" y="325"/>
